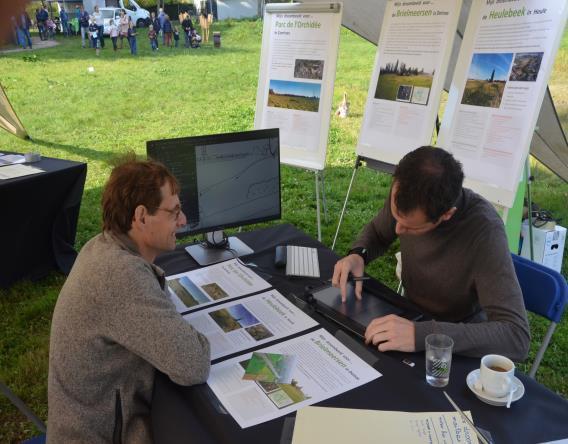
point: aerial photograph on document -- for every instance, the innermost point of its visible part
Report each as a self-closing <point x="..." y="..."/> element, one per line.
<point x="486" y="79"/>
<point x="270" y="367"/>
<point x="302" y="96"/>
<point x="526" y="66"/>
<point x="400" y="77"/>
<point x="187" y="291"/>
<point x="259" y="332"/>
<point x="281" y="395"/>
<point x="233" y="318"/>
<point x="214" y="291"/>
<point x="308" y="69"/>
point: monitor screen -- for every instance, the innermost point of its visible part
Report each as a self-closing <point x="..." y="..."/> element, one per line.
<point x="226" y="180"/>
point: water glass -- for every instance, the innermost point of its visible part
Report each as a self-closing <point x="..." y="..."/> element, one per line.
<point x="438" y="359"/>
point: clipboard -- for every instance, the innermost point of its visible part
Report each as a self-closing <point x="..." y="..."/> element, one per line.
<point x="354" y="315"/>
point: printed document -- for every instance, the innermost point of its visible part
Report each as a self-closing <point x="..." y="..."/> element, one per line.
<point x="340" y="426"/>
<point x="205" y="286"/>
<point x="246" y="323"/>
<point x="323" y="368"/>
<point x="11" y="171"/>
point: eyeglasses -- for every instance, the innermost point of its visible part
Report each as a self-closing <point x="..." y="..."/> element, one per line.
<point x="176" y="211"/>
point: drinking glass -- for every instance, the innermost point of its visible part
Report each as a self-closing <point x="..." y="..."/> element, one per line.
<point x="438" y="359"/>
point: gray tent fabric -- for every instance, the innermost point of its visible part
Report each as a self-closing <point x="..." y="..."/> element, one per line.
<point x="548" y="145"/>
<point x="8" y="118"/>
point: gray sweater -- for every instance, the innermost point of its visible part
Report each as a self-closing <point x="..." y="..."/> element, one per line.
<point x="112" y="327"/>
<point x="462" y="274"/>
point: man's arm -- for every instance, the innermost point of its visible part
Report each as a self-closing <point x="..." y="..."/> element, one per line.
<point x="143" y="320"/>
<point x="506" y="329"/>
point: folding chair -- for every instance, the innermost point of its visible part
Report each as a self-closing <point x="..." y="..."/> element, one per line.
<point x="545" y="293"/>
<point x="26" y="411"/>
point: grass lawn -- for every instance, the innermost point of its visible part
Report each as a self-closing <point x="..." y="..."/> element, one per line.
<point x="94" y="116"/>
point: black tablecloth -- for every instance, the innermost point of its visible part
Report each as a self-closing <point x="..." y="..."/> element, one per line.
<point x="191" y="414"/>
<point x="39" y="220"/>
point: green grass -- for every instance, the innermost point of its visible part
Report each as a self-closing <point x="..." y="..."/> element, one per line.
<point x="92" y="117"/>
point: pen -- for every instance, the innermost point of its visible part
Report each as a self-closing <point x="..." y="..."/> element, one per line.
<point x="358" y="279"/>
<point x="463" y="415"/>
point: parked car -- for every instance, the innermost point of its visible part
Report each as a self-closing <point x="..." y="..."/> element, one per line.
<point x="139" y="15"/>
<point x="114" y="14"/>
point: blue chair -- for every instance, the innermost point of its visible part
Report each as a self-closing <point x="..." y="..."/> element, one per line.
<point x="545" y="293"/>
<point x="26" y="411"/>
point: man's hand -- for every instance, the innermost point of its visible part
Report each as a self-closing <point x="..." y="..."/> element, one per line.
<point x="353" y="264"/>
<point x="391" y="333"/>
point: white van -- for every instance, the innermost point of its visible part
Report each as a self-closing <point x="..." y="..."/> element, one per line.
<point x="139" y="15"/>
<point x="114" y="14"/>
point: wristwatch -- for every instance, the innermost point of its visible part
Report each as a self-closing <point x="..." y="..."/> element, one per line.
<point x="361" y="251"/>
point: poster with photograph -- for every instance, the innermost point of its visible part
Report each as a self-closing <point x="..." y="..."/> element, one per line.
<point x="410" y="67"/>
<point x="215" y="283"/>
<point x="246" y="323"/>
<point x="497" y="90"/>
<point x="316" y="365"/>
<point x="297" y="73"/>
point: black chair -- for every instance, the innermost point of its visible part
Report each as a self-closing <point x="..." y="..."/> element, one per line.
<point x="545" y="293"/>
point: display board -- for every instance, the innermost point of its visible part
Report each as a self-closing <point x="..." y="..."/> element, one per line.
<point x="298" y="60"/>
<point x="414" y="48"/>
<point x="499" y="82"/>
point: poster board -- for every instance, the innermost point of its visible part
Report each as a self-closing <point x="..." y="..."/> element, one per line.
<point x="298" y="60"/>
<point x="498" y="86"/>
<point x="414" y="48"/>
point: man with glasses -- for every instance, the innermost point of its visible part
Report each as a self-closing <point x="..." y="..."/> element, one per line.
<point x="456" y="263"/>
<point x="113" y="323"/>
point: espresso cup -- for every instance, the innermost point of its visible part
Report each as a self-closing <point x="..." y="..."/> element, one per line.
<point x="496" y="375"/>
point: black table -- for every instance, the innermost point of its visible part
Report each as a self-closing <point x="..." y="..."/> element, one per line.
<point x="39" y="220"/>
<point x="191" y="414"/>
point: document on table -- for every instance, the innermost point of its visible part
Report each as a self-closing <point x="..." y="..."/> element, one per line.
<point x="338" y="426"/>
<point x="322" y="368"/>
<point x="207" y="285"/>
<point x="11" y="171"/>
<point x="11" y="159"/>
<point x="246" y="323"/>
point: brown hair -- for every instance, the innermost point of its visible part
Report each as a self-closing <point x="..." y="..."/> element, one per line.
<point x="134" y="183"/>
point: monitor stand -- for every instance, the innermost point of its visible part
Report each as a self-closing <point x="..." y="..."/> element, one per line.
<point x="205" y="255"/>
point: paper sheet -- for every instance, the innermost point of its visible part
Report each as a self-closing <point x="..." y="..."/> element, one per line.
<point x="246" y="323"/>
<point x="324" y="368"/>
<point x="207" y="285"/>
<point x="11" y="171"/>
<point x="340" y="426"/>
<point x="11" y="159"/>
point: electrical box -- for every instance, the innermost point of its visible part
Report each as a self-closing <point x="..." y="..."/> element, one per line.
<point x="548" y="245"/>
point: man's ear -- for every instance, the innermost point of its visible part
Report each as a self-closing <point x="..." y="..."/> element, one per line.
<point x="140" y="213"/>
<point x="448" y="214"/>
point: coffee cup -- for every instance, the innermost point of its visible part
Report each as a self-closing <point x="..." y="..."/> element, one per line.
<point x="496" y="375"/>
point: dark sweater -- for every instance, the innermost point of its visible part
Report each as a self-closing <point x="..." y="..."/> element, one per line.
<point x="462" y="274"/>
<point x="113" y="325"/>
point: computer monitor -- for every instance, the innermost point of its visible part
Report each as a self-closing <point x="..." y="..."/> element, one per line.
<point x="227" y="180"/>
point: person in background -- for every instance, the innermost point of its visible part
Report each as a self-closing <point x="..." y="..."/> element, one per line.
<point x="153" y="37"/>
<point x="98" y="16"/>
<point x="456" y="264"/>
<point x="187" y="27"/>
<point x="41" y="17"/>
<point x="94" y="36"/>
<point x="204" y="24"/>
<point x="123" y="25"/>
<point x="161" y="19"/>
<point x="176" y="36"/>
<point x="167" y="28"/>
<point x="25" y="25"/>
<point x="156" y="24"/>
<point x="132" y="37"/>
<point x="51" y="28"/>
<point x="114" y="324"/>
<point x="113" y="34"/>
<point x="64" y="22"/>
<point x="84" y="20"/>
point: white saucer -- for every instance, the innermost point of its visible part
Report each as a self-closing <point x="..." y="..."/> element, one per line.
<point x="492" y="400"/>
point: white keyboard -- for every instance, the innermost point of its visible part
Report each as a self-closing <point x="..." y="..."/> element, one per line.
<point x="302" y="261"/>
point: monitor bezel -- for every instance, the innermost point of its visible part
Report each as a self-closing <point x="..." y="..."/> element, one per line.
<point x="210" y="139"/>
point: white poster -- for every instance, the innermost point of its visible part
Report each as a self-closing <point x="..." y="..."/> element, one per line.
<point x="207" y="285"/>
<point x="237" y="326"/>
<point x="497" y="90"/>
<point x="410" y="67"/>
<point x="260" y="386"/>
<point x="298" y="62"/>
